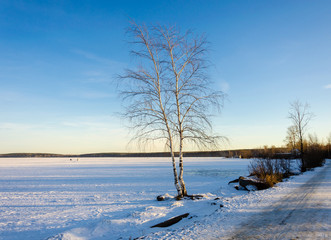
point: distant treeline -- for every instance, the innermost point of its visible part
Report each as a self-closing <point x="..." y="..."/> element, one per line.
<point x="242" y="153"/>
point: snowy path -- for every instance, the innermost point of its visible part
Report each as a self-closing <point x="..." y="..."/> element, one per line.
<point x="303" y="214"/>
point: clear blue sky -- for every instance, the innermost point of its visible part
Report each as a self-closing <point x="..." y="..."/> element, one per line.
<point x="59" y="58"/>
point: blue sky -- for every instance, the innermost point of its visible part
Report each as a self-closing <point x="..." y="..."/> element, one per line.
<point x="59" y="59"/>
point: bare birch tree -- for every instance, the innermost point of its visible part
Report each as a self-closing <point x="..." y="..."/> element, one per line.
<point x="300" y="116"/>
<point x="190" y="85"/>
<point x="291" y="138"/>
<point x="169" y="93"/>
<point x="147" y="96"/>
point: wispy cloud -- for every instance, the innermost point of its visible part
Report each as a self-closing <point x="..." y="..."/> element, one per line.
<point x="89" y="94"/>
<point x="327" y="86"/>
<point x="86" y="124"/>
<point x="96" y="58"/>
<point x="96" y="77"/>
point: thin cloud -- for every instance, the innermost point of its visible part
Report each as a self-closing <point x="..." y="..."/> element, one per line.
<point x="85" y="124"/>
<point x="89" y="94"/>
<point x="96" y="77"/>
<point x="96" y="58"/>
<point x="327" y="86"/>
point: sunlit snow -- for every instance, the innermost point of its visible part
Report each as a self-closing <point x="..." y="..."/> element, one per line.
<point x="115" y="198"/>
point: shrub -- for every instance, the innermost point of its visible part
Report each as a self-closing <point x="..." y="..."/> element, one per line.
<point x="314" y="157"/>
<point x="269" y="171"/>
<point x="315" y="154"/>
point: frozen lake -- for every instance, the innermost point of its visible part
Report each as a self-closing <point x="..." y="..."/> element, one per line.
<point x="42" y="197"/>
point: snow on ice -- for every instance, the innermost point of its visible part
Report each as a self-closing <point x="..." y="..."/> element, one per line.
<point x="115" y="198"/>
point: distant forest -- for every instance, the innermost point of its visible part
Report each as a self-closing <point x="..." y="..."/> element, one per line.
<point x="242" y="153"/>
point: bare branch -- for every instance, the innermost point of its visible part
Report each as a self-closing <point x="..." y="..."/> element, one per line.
<point x="170" y="97"/>
<point x="300" y="116"/>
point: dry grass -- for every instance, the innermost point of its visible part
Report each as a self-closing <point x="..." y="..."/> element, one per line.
<point x="268" y="171"/>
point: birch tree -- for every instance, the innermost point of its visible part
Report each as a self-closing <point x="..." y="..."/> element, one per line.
<point x="300" y="116"/>
<point x="190" y="85"/>
<point x="291" y="138"/>
<point x="168" y="95"/>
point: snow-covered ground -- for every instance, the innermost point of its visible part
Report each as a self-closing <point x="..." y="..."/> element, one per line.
<point x="304" y="213"/>
<point x="115" y="198"/>
<point x="101" y="198"/>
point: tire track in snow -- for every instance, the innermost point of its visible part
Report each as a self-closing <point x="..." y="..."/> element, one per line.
<point x="303" y="214"/>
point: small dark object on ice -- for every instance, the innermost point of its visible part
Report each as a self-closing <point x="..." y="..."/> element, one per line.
<point x="217" y="198"/>
<point x="171" y="221"/>
<point x="221" y="205"/>
<point x="213" y="203"/>
<point x="163" y="197"/>
<point x="160" y="198"/>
